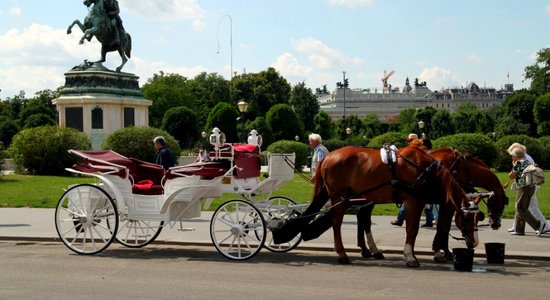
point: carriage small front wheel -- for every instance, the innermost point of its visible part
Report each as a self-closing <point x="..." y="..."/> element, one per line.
<point x="238" y="230"/>
<point x="280" y="208"/>
<point x="86" y="219"/>
<point x="134" y="233"/>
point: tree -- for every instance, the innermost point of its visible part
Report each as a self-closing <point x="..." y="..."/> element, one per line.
<point x="519" y="106"/>
<point x="224" y="116"/>
<point x="166" y="91"/>
<point x="398" y="139"/>
<point x="283" y="123"/>
<point x="425" y="114"/>
<point x="373" y="126"/>
<point x="323" y="124"/>
<point x="352" y="122"/>
<point x="539" y="72"/>
<point x="261" y="90"/>
<point x="407" y="119"/>
<point x="470" y="119"/>
<point x="507" y="125"/>
<point x="305" y="105"/>
<point x="474" y="143"/>
<point x="208" y="90"/>
<point x="37" y="120"/>
<point x="181" y="123"/>
<point x="8" y="128"/>
<point x="541" y="111"/>
<point x="442" y="124"/>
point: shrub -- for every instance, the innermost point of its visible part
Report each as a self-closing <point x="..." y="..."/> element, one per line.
<point x="333" y="144"/>
<point x="394" y="138"/>
<point x="291" y="147"/>
<point x="2" y="158"/>
<point x="181" y="123"/>
<point x="137" y="142"/>
<point x="545" y="160"/>
<point x="534" y="148"/>
<point x="8" y="129"/>
<point x="283" y="123"/>
<point x="224" y="116"/>
<point x="43" y="150"/>
<point x="476" y="144"/>
<point x="38" y="120"/>
<point x="542" y="114"/>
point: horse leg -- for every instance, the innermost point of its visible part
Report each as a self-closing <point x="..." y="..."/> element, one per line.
<point x="366" y="213"/>
<point x="337" y="220"/>
<point x="123" y="56"/>
<point x="412" y="219"/>
<point x="440" y="244"/>
<point x="88" y="33"/>
<point x="75" y="22"/>
<point x="103" y="55"/>
<point x="362" y="215"/>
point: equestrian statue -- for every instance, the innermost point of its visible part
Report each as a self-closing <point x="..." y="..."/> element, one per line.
<point x="103" y="21"/>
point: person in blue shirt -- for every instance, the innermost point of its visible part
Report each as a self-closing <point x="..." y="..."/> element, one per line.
<point x="165" y="157"/>
<point x="319" y="151"/>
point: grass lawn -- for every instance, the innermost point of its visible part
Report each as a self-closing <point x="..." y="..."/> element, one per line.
<point x="44" y="191"/>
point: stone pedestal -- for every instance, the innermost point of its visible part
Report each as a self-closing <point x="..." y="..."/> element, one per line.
<point x="97" y="102"/>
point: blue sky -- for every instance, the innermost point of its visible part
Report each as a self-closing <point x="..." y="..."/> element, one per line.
<point x="446" y="43"/>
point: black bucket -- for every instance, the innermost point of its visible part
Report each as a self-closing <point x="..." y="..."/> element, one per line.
<point x="495" y="253"/>
<point x="463" y="259"/>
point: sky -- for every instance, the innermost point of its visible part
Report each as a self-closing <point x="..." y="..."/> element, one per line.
<point x="445" y="43"/>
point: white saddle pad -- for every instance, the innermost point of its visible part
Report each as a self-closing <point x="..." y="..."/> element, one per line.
<point x="384" y="154"/>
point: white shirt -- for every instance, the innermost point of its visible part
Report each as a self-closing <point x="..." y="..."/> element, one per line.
<point x="318" y="154"/>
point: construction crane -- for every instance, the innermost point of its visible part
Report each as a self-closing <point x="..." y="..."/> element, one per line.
<point x="385" y="80"/>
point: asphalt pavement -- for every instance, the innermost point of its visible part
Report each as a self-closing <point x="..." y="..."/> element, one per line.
<point x="32" y="224"/>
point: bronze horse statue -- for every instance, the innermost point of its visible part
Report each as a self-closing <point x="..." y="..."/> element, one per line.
<point x="359" y="174"/>
<point x="470" y="172"/>
<point x="98" y="23"/>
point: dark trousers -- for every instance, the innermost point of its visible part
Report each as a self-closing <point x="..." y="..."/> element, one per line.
<point x="523" y="215"/>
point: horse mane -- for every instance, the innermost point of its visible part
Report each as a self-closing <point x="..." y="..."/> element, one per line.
<point x="476" y="159"/>
<point x="453" y="190"/>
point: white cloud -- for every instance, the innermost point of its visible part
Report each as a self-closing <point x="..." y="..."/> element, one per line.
<point x="288" y="65"/>
<point x="437" y="77"/>
<point x="322" y="54"/>
<point x="352" y="3"/>
<point x="472" y="58"/>
<point x="547" y="10"/>
<point x="15" y="11"/>
<point x="167" y="10"/>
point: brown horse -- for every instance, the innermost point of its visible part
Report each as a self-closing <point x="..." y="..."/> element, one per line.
<point x="359" y="173"/>
<point x="469" y="172"/>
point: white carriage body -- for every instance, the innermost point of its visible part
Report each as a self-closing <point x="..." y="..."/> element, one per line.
<point x="183" y="193"/>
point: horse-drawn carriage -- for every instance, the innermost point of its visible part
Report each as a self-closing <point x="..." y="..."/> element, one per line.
<point x="133" y="200"/>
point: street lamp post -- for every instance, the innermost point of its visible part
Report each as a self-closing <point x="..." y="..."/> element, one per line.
<point x="297" y="138"/>
<point x="243" y="108"/>
<point x="230" y="39"/>
<point x="421" y="125"/>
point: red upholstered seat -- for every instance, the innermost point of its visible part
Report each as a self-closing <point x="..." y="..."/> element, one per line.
<point x="206" y="170"/>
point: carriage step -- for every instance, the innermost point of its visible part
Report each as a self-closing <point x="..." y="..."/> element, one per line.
<point x="186" y="229"/>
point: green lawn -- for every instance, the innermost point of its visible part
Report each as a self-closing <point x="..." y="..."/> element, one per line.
<point x="44" y="191"/>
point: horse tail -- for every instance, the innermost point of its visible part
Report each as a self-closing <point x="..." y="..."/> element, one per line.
<point x="320" y="194"/>
<point x="128" y="48"/>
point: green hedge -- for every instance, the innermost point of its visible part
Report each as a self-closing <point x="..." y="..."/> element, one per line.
<point x="137" y="142"/>
<point x="545" y="142"/>
<point x="333" y="144"/>
<point x="2" y="158"/>
<point x="534" y="148"/>
<point x="474" y="143"/>
<point x="393" y="138"/>
<point x="43" y="150"/>
<point x="291" y="147"/>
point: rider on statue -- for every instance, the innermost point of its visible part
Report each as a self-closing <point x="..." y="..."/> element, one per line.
<point x="112" y="9"/>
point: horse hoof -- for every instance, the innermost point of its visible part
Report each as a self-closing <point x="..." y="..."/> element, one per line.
<point x="344" y="261"/>
<point x="366" y="254"/>
<point x="413" y="264"/>
<point x="440" y="259"/>
<point x="379" y="255"/>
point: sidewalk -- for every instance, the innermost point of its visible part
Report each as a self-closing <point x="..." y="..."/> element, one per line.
<point x="38" y="224"/>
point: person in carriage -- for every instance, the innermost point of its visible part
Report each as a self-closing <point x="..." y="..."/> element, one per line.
<point x="165" y="157"/>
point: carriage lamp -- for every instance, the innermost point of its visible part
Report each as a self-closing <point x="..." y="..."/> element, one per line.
<point x="421" y="124"/>
<point x="203" y="134"/>
<point x="297" y="138"/>
<point x="348" y="131"/>
<point x="254" y="138"/>
<point x="217" y="138"/>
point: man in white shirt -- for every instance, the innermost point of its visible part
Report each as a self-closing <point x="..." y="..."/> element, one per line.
<point x="319" y="151"/>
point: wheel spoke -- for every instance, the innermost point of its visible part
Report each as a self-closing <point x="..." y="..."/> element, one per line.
<point x="67" y="231"/>
<point x="230" y="235"/>
<point x="99" y="234"/>
<point x="225" y="222"/>
<point x="72" y="212"/>
<point x="229" y="214"/>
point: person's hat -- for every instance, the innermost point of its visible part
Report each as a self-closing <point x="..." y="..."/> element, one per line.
<point x="412" y="137"/>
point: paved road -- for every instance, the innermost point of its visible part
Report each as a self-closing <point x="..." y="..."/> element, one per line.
<point x="50" y="271"/>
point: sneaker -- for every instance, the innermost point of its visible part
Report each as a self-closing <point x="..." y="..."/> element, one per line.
<point x="397" y="223"/>
<point x="511" y="229"/>
<point x="543" y="229"/>
<point x="516" y="233"/>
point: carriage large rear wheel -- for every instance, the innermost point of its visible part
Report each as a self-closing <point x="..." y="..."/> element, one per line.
<point x="280" y="208"/>
<point x="238" y="230"/>
<point x="86" y="219"/>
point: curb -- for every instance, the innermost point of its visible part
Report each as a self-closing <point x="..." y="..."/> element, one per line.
<point x="304" y="248"/>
